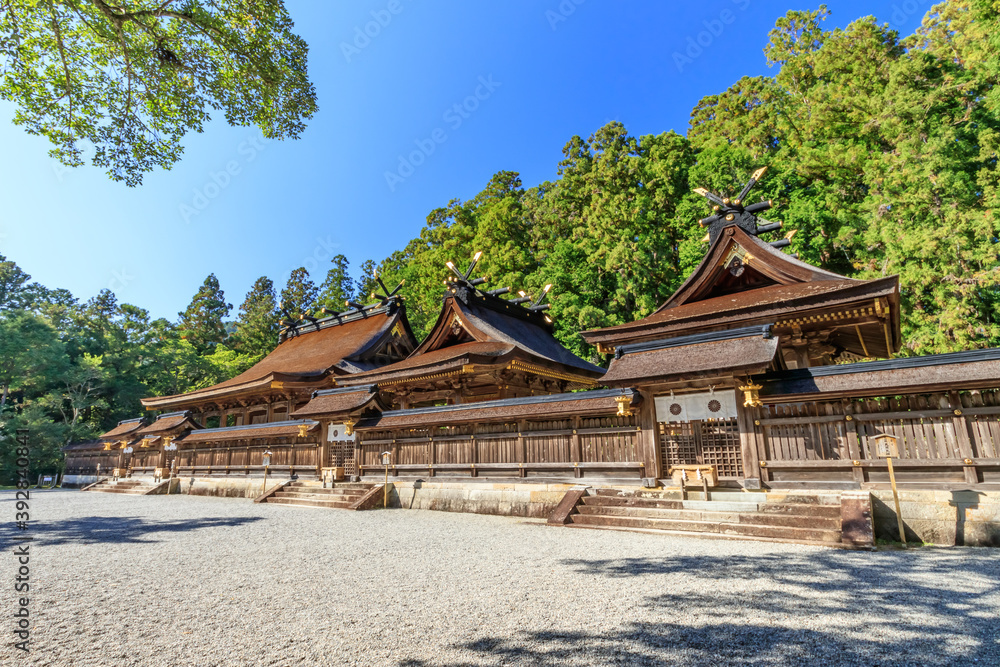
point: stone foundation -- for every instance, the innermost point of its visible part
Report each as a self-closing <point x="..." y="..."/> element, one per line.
<point x="969" y="518"/>
<point x="79" y="481"/>
<point x="505" y="499"/>
<point x="221" y="487"/>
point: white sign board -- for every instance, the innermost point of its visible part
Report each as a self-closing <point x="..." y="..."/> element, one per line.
<point x="702" y="405"/>
<point x="338" y="433"/>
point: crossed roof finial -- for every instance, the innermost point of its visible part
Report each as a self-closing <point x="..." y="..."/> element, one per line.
<point x="729" y="212"/>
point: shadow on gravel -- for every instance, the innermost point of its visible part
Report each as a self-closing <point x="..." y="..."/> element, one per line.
<point x="119" y="530"/>
<point x="924" y="607"/>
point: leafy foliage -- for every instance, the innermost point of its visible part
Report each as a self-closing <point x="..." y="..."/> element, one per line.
<point x="130" y="80"/>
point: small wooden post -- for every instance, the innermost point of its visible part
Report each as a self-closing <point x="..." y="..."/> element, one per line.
<point x="385" y="487"/>
<point x="267" y="463"/>
<point x="895" y="500"/>
<point x="885" y="447"/>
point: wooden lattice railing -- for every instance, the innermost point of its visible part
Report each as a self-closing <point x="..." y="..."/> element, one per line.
<point x="606" y="446"/>
<point x="943" y="436"/>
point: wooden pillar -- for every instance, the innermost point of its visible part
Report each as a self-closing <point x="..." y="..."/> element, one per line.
<point x="853" y="442"/>
<point x="746" y="419"/>
<point x="575" y="452"/>
<point x="964" y="441"/>
<point x="431" y="455"/>
<point x="522" y="453"/>
<point x="270" y="410"/>
<point x="652" y="466"/>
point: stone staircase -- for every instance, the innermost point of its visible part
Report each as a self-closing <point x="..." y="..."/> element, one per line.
<point x="341" y="495"/>
<point x="127" y="485"/>
<point x="804" y="519"/>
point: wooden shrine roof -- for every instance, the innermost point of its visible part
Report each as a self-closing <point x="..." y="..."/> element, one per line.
<point x="733" y="351"/>
<point x="776" y="287"/>
<point x="125" y="428"/>
<point x="169" y="422"/>
<point x="85" y="445"/>
<point x="333" y="346"/>
<point x="973" y="369"/>
<point x="285" y="429"/>
<point x="554" y="406"/>
<point x="339" y="401"/>
<point x="474" y="327"/>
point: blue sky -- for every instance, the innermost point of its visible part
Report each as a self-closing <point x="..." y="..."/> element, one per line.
<point x="543" y="70"/>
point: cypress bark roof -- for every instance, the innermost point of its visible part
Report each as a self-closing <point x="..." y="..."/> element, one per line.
<point x="474" y="327"/>
<point x="766" y="286"/>
<point x="971" y="369"/>
<point x="169" y="422"/>
<point x="285" y="429"/>
<point x="125" y="429"/>
<point x="747" y="350"/>
<point x="341" y="401"/>
<point x="338" y="345"/>
<point x="545" y="407"/>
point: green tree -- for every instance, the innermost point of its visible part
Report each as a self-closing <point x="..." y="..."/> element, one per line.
<point x="257" y="324"/>
<point x="337" y="288"/>
<point x="201" y="323"/>
<point x="367" y="283"/>
<point x="132" y="79"/>
<point x="299" y="296"/>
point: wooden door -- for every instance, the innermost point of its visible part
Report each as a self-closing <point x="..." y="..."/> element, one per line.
<point x="709" y="441"/>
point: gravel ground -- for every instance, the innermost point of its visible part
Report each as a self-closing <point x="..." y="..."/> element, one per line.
<point x="181" y="580"/>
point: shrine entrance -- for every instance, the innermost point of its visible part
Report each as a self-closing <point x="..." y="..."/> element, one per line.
<point x="700" y="428"/>
<point x="340" y="449"/>
<point x="702" y="441"/>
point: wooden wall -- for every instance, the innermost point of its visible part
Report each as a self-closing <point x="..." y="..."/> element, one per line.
<point x="943" y="437"/>
<point x="247" y="458"/>
<point x="604" y="446"/>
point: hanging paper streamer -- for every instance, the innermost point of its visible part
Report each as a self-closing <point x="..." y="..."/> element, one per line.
<point x="720" y="404"/>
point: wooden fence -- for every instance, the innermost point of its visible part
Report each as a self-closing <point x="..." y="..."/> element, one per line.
<point x="85" y="462"/>
<point x="944" y="437"/>
<point x="605" y="446"/>
<point x="247" y="458"/>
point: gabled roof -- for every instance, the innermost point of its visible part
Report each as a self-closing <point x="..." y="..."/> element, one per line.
<point x="339" y="401"/>
<point x="171" y="421"/>
<point x="337" y="345"/>
<point x="478" y="328"/>
<point x="127" y="428"/>
<point x="728" y="352"/>
<point x="744" y="281"/>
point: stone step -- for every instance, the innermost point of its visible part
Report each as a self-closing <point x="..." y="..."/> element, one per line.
<point x="336" y="485"/>
<point x="344" y="497"/>
<point x="309" y="502"/>
<point x="791" y="520"/>
<point x="630" y="501"/>
<point x="749" y="530"/>
<point x="131" y="490"/>
<point x="801" y="508"/>
<point x="324" y="492"/>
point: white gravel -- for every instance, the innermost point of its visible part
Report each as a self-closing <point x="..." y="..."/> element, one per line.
<point x="181" y="580"/>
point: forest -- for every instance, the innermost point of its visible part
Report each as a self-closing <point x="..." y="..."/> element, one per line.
<point x="882" y="154"/>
